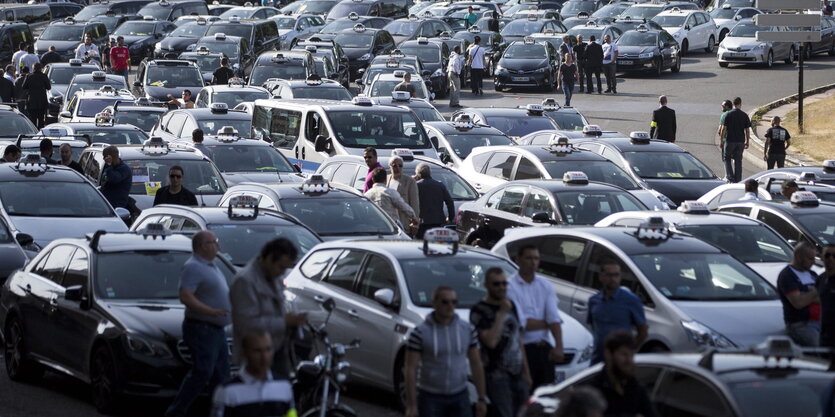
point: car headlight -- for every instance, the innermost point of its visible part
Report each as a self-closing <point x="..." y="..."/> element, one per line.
<point x="500" y="68"/>
<point x="585" y="355"/>
<point x="761" y="47"/>
<point x="541" y="69"/>
<point x="365" y="57"/>
<point x="158" y="46"/>
<point x="148" y="348"/>
<point x="283" y="37"/>
<point x="646" y="55"/>
<point x="705" y="336"/>
<point x="438" y="73"/>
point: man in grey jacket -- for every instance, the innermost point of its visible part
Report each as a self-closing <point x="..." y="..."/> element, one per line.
<point x="257" y="297"/>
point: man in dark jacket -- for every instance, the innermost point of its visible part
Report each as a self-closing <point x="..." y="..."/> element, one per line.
<point x="580" y="56"/>
<point x="594" y="64"/>
<point x="624" y="395"/>
<point x="46" y="149"/>
<point x="19" y="93"/>
<point x="50" y="56"/>
<point x="116" y="178"/>
<point x="663" y="124"/>
<point x="6" y="90"/>
<point x="174" y="192"/>
<point x="432" y="195"/>
<point x="37" y="84"/>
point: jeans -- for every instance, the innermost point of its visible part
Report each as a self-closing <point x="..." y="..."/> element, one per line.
<point x="589" y="71"/>
<point x="776" y="159"/>
<point x="805" y="333"/>
<point x="476" y="77"/>
<point x="454" y="88"/>
<point x="732" y="155"/>
<point x="540" y="365"/>
<point x="568" y="90"/>
<point x="440" y="405"/>
<point x="123" y="73"/>
<point x="507" y="393"/>
<point x="210" y="363"/>
<point x="581" y="70"/>
<point x="611" y="76"/>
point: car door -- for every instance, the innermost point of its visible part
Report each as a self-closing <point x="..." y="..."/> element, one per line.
<point x="781" y="225"/>
<point x="499" y="169"/>
<point x="685" y="394"/>
<point x="339" y="283"/>
<point x="540" y="201"/>
<point x="527" y="170"/>
<point x="45" y="293"/>
<point x="74" y="322"/>
<point x="690" y="32"/>
<point x="507" y="212"/>
<point x="304" y="293"/>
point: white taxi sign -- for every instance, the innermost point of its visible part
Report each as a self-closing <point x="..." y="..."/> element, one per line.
<point x="441" y="235"/>
<point x="463" y="122"/>
<point x="808" y="176"/>
<point x="316" y="184"/>
<point x="54" y="132"/>
<point x="397" y="53"/>
<point x="474" y="29"/>
<point x="653" y="229"/>
<point x="550" y="104"/>
<point x="244" y="201"/>
<point x="693" y="207"/>
<point x="528" y="39"/>
<point x="829" y="164"/>
<point x="593" y="130"/>
<point x="560" y="144"/>
<point x="575" y="177"/>
<point x="153" y="230"/>
<point x="359" y="28"/>
<point x="804" y="198"/>
<point x="534" y="108"/>
<point x="353" y="16"/>
<point x="104" y="119"/>
<point x="404" y="153"/>
<point x="32" y="164"/>
<point x="362" y="100"/>
<point x="401" y="96"/>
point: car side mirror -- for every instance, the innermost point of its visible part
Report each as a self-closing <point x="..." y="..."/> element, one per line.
<point x="24" y="239"/>
<point x="425" y="73"/>
<point x="541" y="217"/>
<point x="384" y="296"/>
<point x="687" y="27"/>
<point x="435" y="143"/>
<point x="329" y="305"/>
<point x="444" y="156"/>
<point x="358" y="81"/>
<point x="74" y="293"/>
<point x="297" y="168"/>
<point x="320" y="144"/>
<point x="137" y="83"/>
<point x="123" y="213"/>
<point x="65" y="114"/>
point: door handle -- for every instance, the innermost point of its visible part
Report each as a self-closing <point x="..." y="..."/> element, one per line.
<point x="319" y="298"/>
<point x="580" y="306"/>
<point x="353" y="314"/>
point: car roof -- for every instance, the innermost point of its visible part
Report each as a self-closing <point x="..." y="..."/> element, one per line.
<point x="134" y="108"/>
<point x="728" y="362"/>
<point x="673" y="12"/>
<point x="333" y="105"/>
<point x="291" y="56"/>
<point x="448" y="128"/>
<point x="687" y="219"/>
<point x="212" y="139"/>
<point x="820" y="171"/>
<point x="220" y="215"/>
<point x="326" y="83"/>
<point x="544" y="154"/>
<point x="221" y="88"/>
<point x="500" y="111"/>
<point x="53" y="173"/>
<point x="626" y="145"/>
<point x="650" y="31"/>
<point x="131" y="241"/>
<point x="89" y="77"/>
<point x="207" y="114"/>
<point x="557" y="185"/>
<point x="294" y="190"/>
<point x="403" y="249"/>
<point x="783" y="206"/>
<point x="131" y="152"/>
<point x="76" y="126"/>
<point x="170" y="62"/>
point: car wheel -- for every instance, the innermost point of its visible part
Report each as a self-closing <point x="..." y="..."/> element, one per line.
<point x="677" y="66"/>
<point x="659" y="67"/>
<point x="723" y="64"/>
<point x="769" y="60"/>
<point x="399" y="385"/>
<point x="496" y="87"/>
<point x="105" y="380"/>
<point x="722" y="35"/>
<point x="832" y="49"/>
<point x="790" y="59"/>
<point x="293" y="43"/>
<point x="18" y="365"/>
<point x="710" y="43"/>
<point x="684" y="47"/>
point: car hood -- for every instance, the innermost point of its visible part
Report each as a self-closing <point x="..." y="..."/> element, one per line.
<point x="649" y="199"/>
<point x="130" y="40"/>
<point x="752" y="321"/>
<point x="523" y="64"/>
<point x="233" y="178"/>
<point x="47" y="229"/>
<point x="159" y="319"/>
<point x="735" y="43"/>
<point x="59" y="90"/>
<point x="672" y="30"/>
<point x="768" y="270"/>
<point x="161" y="93"/>
<point x="176" y="44"/>
<point x="284" y="31"/>
<point x="679" y="190"/>
<point x="60" y="46"/>
<point x="354" y="53"/>
<point x="12" y="257"/>
<point x="400" y="38"/>
<point x="632" y="49"/>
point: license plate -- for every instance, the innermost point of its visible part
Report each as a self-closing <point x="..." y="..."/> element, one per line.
<point x="626" y="62"/>
<point x="736" y="55"/>
<point x="520" y="78"/>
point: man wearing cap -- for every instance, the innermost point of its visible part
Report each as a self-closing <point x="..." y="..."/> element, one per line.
<point x="120" y="58"/>
<point x="174" y="192"/>
<point x="663" y="125"/>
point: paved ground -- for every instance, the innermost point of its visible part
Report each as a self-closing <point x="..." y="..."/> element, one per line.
<point x="695" y="93"/>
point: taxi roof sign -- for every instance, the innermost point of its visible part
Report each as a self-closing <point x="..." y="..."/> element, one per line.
<point x="353" y="16"/>
<point x="359" y="28"/>
<point x="220" y="107"/>
<point x="75" y="62"/>
<point x="104" y="119"/>
<point x="399" y="74"/>
<point x="413" y="18"/>
<point x="279" y="59"/>
<point x="362" y="100"/>
<point x="474" y="29"/>
<point x="54" y="132"/>
<point x="32" y="164"/>
<point x="592" y="130"/>
<point x="392" y="63"/>
<point x="655" y="228"/>
<point x="422" y="40"/>
<point x="397" y="53"/>
<point x="316" y="184"/>
<point x="583" y="15"/>
<point x="443" y="236"/>
<point x="639" y="137"/>
<point x="550" y="104"/>
<point x="401" y="96"/>
<point x="244" y="201"/>
<point x="463" y="121"/>
<point x="808" y="176"/>
<point x="642" y="28"/>
<point x="575" y="177"/>
<point x="234" y="19"/>
<point x="98" y="75"/>
<point x="532" y="17"/>
<point x="829" y="165"/>
<point x="154" y="230"/>
<point x="227" y="134"/>
<point x="778" y="347"/>
<point x="313" y="79"/>
<point x="202" y="50"/>
<point x="560" y="144"/>
<point x="805" y="198"/>
<point x="220" y="36"/>
<point x="445" y="35"/>
<point x="155" y="146"/>
<point x="693" y="207"/>
<point x="529" y="40"/>
<point x="534" y="108"/>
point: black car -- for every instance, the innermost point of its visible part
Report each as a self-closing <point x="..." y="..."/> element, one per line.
<point x="388" y="8"/>
<point x="60" y="76"/>
<point x="362" y="44"/>
<point x="13" y="246"/>
<point x="414" y="27"/>
<point x="141" y="36"/>
<point x="572" y="8"/>
<point x="262" y="35"/>
<point x="648" y="50"/>
<point x="388" y="65"/>
<point x="237" y="49"/>
<point x="76" y="309"/>
<point x="63" y="9"/>
<point x="208" y="61"/>
<point x="335" y="26"/>
<point x="823" y="174"/>
<point x="338" y="68"/>
<point x="157" y="79"/>
<point x="65" y="35"/>
<point x="435" y="57"/>
<point x="290" y="65"/>
<point x="527" y="63"/>
<point x="181" y="39"/>
<point x="626" y="23"/>
<point x="16" y="124"/>
<point x="172" y="9"/>
<point x="112" y="7"/>
<point x="512" y="122"/>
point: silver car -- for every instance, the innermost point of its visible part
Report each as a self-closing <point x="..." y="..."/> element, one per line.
<point x="293" y="28"/>
<point x="741" y="46"/>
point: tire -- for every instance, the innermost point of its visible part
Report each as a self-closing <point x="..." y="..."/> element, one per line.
<point x="831" y="51"/>
<point x="105" y="380"/>
<point x="496" y="87"/>
<point x="399" y="385"/>
<point x="790" y="59"/>
<point x="659" y="67"/>
<point x="677" y="67"/>
<point x="723" y="64"/>
<point x="710" y="43"/>
<point x="18" y="365"/>
<point x="722" y="34"/>
<point x="685" y="47"/>
<point x="293" y="43"/>
<point x="769" y="61"/>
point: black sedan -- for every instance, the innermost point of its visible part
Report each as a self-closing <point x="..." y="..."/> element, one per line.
<point x="362" y="44"/>
<point x="527" y="63"/>
<point x="648" y="50"/>
<point x="435" y="57"/>
<point x="12" y="255"/>
<point x="141" y="35"/>
<point x="181" y="39"/>
<point x="414" y="27"/>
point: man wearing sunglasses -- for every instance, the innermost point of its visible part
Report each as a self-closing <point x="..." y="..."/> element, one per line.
<point x="174" y="192"/>
<point x="614" y="308"/>
<point x="826" y="288"/>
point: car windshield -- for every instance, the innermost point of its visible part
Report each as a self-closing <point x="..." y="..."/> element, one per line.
<point x="521" y="125"/>
<point x="703" y="277"/>
<point x="189" y="30"/>
<point x="462" y="145"/>
<point x="158" y="271"/>
<point x="91" y="11"/>
<point x="135" y="29"/>
<point x="749" y="243"/>
<point x="63" y="75"/>
<point x="602" y="171"/>
<point x="230" y="29"/>
<point x="156" y="11"/>
<point x="669" y="21"/>
<point x="53" y="199"/>
<point x="201" y="176"/>
<point x="632" y="25"/>
<point x="118" y="82"/>
<point x="518" y="51"/>
<point x="427" y="114"/>
<point x="241" y="125"/>
<point x="229" y="49"/>
<point x="384" y="88"/>
<point x="457" y="187"/>
<point x="765" y="396"/>
<point x="635" y="38"/>
<point x="378" y="128"/>
<point x="316" y="7"/>
<point x="427" y="54"/>
<point x="243" y="158"/>
<point x="322" y="93"/>
<point x="5" y="236"/>
<point x="344" y="8"/>
<point x="353" y="216"/>
<point x="610" y="10"/>
<point x="587" y="32"/>
<point x="233" y="98"/>
<point x="678" y="165"/>
<point x="353" y="40"/>
<point x="240" y="239"/>
<point x="285" y="22"/>
<point x="205" y="62"/>
<point x="820" y="225"/>
<point x="141" y="119"/>
<point x="117" y="136"/>
<point x="638" y="12"/>
<point x="375" y="71"/>
<point x="287" y="71"/>
<point x="722" y="13"/>
<point x="402" y="27"/>
<point x="567" y="120"/>
<point x="16" y="124"/>
<point x="522" y="28"/>
<point x="589" y="207"/>
<point x="572" y="8"/>
<point x="748" y="30"/>
<point x="739" y="3"/>
<point x="92" y="107"/>
<point x="62" y="33"/>
<point x="236" y="11"/>
<point x="336" y="26"/>
<point x="464" y="273"/>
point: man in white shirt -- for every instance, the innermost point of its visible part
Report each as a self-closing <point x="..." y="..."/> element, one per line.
<point x="389" y="199"/>
<point x="30" y="59"/>
<point x="539" y="313"/>
<point x="454" y="69"/>
<point x="87" y="49"/>
<point x="476" y="63"/>
<point x="750" y="191"/>
<point x="17" y="55"/>
<point x="610" y="64"/>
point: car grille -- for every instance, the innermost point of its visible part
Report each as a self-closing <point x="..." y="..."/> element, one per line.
<point x="628" y="56"/>
<point x="739" y="58"/>
<point x="521" y="71"/>
<point x="739" y="49"/>
<point x="185" y="353"/>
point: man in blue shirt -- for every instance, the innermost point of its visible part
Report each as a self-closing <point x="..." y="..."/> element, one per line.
<point x="471" y="16"/>
<point x="116" y="178"/>
<point x="614" y="308"/>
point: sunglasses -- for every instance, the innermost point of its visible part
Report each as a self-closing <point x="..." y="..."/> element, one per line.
<point x="499" y="284"/>
<point x="175" y="176"/>
<point x="449" y="301"/>
<point x="397" y="165"/>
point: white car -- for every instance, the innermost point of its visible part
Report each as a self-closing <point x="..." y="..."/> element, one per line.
<point x="692" y="29"/>
<point x="741" y="46"/>
<point x="726" y="17"/>
<point x="383" y="85"/>
<point x="85" y="105"/>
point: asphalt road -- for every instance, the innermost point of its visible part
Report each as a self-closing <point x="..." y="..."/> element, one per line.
<point x="695" y="93"/>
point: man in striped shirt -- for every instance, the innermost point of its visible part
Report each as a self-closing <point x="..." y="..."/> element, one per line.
<point x="254" y="392"/>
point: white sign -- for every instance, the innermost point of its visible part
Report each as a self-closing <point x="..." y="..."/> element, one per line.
<point x="788" y="4"/>
<point x="790" y="20"/>
<point x="799" y="36"/>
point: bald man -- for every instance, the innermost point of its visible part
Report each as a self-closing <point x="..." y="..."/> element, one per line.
<point x="66" y="158"/>
<point x="663" y="124"/>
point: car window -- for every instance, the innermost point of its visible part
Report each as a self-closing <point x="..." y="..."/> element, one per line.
<point x="345" y="270"/>
<point x="730" y="195"/>
<point x="527" y="170"/>
<point x="77" y="270"/>
<point x="691" y="21"/>
<point x="501" y="165"/>
<point x="480" y="160"/>
<point x="685" y="395"/>
<point x="559" y="256"/>
<point x="627" y="276"/>
<point x="511" y="200"/>
<point x="378" y="274"/>
<point x="53" y="268"/>
<point x="745" y="211"/>
<point x="780" y="225"/>
<point x="539" y="201"/>
<point x="317" y="263"/>
<point x="345" y="174"/>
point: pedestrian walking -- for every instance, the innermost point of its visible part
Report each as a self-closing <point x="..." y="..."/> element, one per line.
<point x="777" y="140"/>
<point x="581" y="401"/>
<point x="6" y="89"/>
<point x="388" y="199"/>
<point x="624" y="395"/>
<point x="475" y="62"/>
<point x="493" y="23"/>
<point x="255" y="391"/>
<point x="197" y="142"/>
<point x="205" y="294"/>
<point x="120" y="58"/>
<point x="116" y="178"/>
<point x="580" y="59"/>
<point x="175" y="192"/>
<point x="50" y="56"/>
<point x="21" y="95"/>
<point x="258" y="302"/>
<point x="566" y="76"/>
<point x="223" y="73"/>
<point x="471" y="16"/>
<point x="21" y="51"/>
<point x="454" y="68"/>
<point x="37" y="86"/>
<point x="797" y="286"/>
<point x="538" y="306"/>
<point x="614" y="308"/>
<point x="433" y="195"/>
<point x="30" y="59"/>
<point x="437" y="353"/>
<point x="406" y="186"/>
<point x="499" y="328"/>
<point x="727" y="106"/>
<point x="610" y="64"/>
<point x="663" y="125"/>
<point x="406" y="85"/>
<point x="594" y="64"/>
<point x="826" y="291"/>
<point x="370" y="157"/>
<point x="10" y="154"/>
<point x="735" y="128"/>
<point x="66" y="158"/>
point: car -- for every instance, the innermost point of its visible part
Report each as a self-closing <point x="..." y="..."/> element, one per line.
<point x="597" y="29"/>
<point x="546" y="136"/>
<point x="802" y="219"/>
<point x="49" y="202"/>
<point x="769" y="188"/>
<point x="100" y="318"/>
<point x="231" y="94"/>
<point x="181" y="123"/>
<point x="517" y="30"/>
<point x="172" y="9"/>
<point x="740" y="46"/>
<point x="388" y="64"/>
<point x="648" y="10"/>
<point x="644" y="50"/>
<point x="13" y="247"/>
<point x="241" y="230"/>
<point x="140" y="36"/>
<point x="457" y="139"/>
<point x="216" y="9"/>
<point x="566" y="117"/>
<point x="313" y="87"/>
<point x="103" y="130"/>
<point x="182" y="20"/>
<point x="17" y="123"/>
<point x="112" y="21"/>
<point x="663" y="166"/>
<point x="538" y="14"/>
<point x="85" y="105"/>
<point x="384" y="84"/>
<point x="319" y="7"/>
<point x="89" y="82"/>
<point x="493" y="45"/>
<point x="726" y="17"/>
<point x="611" y="10"/>
<point x="583" y="19"/>
<point x="150" y="163"/>
<point x="483" y="24"/>
<point x="65" y="35"/>
<point x="181" y="39"/>
<point x="337" y="25"/>
<point x="425" y="111"/>
<point x="288" y="65"/>
<point x="383" y="289"/>
<point x="749" y="240"/>
<point x="414" y="27"/>
<point x="696" y="296"/>
<point x="823" y="174"/>
<point x="527" y="63"/>
<point x="435" y="58"/>
<point x="30" y="144"/>
<point x="164" y="79"/>
<point x="241" y="160"/>
<point x="295" y="27"/>
<point x="140" y="113"/>
<point x="332" y="211"/>
<point x="513" y="122"/>
<point x="324" y="66"/>
<point x="250" y="12"/>
<point x="60" y="76"/>
<point x="827" y="42"/>
<point x="206" y="60"/>
<point x="387" y="9"/>
<point x="511" y="9"/>
<point x="261" y="35"/>
<point x="121" y="7"/>
<point x="362" y="45"/>
<point x="236" y="48"/>
<point x="11" y="34"/>
<point x="625" y="23"/>
<point x="728" y="193"/>
<point x="692" y="29"/>
<point x="337" y="54"/>
<point x="572" y="8"/>
<point x="741" y="383"/>
<point x="337" y="68"/>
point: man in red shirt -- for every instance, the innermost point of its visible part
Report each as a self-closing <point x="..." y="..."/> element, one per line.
<point x="120" y="58"/>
